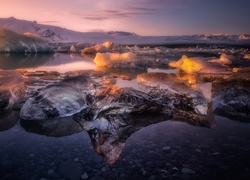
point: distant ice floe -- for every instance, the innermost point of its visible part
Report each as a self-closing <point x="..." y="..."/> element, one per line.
<point x="101" y="48"/>
<point x="247" y="56"/>
<point x="224" y="59"/>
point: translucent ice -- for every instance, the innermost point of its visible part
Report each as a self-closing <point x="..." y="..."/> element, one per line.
<point x="109" y="59"/>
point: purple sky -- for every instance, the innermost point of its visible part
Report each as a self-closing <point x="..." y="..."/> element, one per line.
<point x="144" y="17"/>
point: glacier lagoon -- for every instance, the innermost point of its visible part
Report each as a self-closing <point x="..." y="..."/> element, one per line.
<point x="149" y="147"/>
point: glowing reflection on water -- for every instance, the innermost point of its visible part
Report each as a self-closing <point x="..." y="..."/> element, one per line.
<point x="46" y="62"/>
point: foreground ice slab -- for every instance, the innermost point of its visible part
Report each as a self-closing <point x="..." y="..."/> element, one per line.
<point x="12" y="89"/>
<point x="127" y="100"/>
<point x="62" y="99"/>
<point x="18" y="43"/>
<point x="188" y="103"/>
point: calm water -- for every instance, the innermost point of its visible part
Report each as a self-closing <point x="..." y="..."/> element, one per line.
<point x="150" y="149"/>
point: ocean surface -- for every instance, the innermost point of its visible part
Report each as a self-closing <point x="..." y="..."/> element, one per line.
<point x="151" y="149"/>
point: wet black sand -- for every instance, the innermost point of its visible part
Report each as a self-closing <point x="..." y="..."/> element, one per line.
<point x="166" y="150"/>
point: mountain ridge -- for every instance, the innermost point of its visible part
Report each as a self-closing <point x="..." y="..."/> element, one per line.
<point x="55" y="34"/>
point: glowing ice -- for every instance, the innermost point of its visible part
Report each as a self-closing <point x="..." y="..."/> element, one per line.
<point x="108" y="59"/>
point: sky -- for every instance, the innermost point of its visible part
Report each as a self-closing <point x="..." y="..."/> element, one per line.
<point x="144" y="17"/>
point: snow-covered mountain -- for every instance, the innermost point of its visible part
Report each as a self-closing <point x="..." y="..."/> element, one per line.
<point x="61" y="35"/>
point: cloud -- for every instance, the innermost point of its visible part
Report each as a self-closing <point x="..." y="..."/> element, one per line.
<point x="119" y="10"/>
<point x="104" y="15"/>
<point x="123" y="12"/>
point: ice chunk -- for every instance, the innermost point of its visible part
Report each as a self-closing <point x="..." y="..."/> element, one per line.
<point x="189" y="102"/>
<point x="247" y="56"/>
<point x="109" y="59"/>
<point x="189" y="65"/>
<point x="61" y="99"/>
<point x="72" y="49"/>
<point x="198" y="65"/>
<point x="224" y="59"/>
<point x="101" y="48"/>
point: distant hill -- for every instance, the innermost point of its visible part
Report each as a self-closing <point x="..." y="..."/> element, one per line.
<point x="55" y="34"/>
<point x="58" y="34"/>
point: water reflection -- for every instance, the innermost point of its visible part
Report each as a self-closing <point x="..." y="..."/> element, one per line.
<point x="108" y="142"/>
<point x="8" y="119"/>
<point x="123" y="73"/>
<point x="108" y="137"/>
<point x="60" y="62"/>
<point x="10" y="61"/>
<point x="52" y="127"/>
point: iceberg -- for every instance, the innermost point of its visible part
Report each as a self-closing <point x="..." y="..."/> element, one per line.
<point x="22" y="43"/>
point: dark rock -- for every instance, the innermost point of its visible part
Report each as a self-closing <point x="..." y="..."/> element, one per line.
<point x="188" y="171"/>
<point x="71" y="170"/>
<point x="234" y="103"/>
<point x="185" y="177"/>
